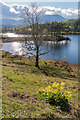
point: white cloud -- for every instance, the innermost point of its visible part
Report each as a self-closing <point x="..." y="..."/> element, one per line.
<point x="16" y="18"/>
<point x="41" y="1"/>
<point x="13" y="10"/>
<point x="49" y="13"/>
<point x="67" y="13"/>
<point x="19" y="6"/>
<point x="16" y="9"/>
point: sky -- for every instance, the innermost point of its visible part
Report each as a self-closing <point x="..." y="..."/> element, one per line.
<point x="41" y="0"/>
<point x="64" y="4"/>
<point x="59" y="3"/>
<point x="68" y="8"/>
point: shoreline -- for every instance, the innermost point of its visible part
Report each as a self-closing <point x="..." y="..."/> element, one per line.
<point x="14" y="39"/>
<point x="49" y="60"/>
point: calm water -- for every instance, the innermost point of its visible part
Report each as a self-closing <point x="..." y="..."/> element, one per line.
<point x="68" y="49"/>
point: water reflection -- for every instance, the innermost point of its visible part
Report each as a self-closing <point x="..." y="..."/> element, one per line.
<point x="63" y="48"/>
<point x="21" y="48"/>
<point x="56" y="45"/>
<point x="18" y="48"/>
<point x="14" y="47"/>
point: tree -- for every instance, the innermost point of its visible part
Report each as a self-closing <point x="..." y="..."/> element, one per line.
<point x="33" y="17"/>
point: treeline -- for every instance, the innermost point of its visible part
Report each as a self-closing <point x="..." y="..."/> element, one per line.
<point x="72" y="26"/>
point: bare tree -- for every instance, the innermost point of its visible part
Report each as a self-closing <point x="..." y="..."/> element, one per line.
<point x="33" y="17"/>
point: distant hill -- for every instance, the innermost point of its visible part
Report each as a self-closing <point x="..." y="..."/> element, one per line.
<point x="50" y="18"/>
<point x="10" y="15"/>
<point x="45" y="18"/>
<point x="11" y="22"/>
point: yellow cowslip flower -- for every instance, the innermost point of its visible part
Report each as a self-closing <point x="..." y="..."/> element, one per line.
<point x="51" y="90"/>
<point x="65" y="92"/>
<point x="43" y="94"/>
<point x="56" y="91"/>
<point x="48" y="91"/>
<point x="42" y="90"/>
<point x="55" y="85"/>
<point x="62" y="88"/>
<point x="69" y="93"/>
<point x="70" y="96"/>
<point x="62" y="84"/>
<point x="48" y="87"/>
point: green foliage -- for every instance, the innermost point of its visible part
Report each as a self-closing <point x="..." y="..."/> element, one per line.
<point x="71" y="26"/>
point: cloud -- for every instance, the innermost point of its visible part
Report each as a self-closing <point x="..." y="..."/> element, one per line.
<point x="67" y="13"/>
<point x="49" y="13"/>
<point x="13" y="10"/>
<point x="16" y="18"/>
<point x="19" y="7"/>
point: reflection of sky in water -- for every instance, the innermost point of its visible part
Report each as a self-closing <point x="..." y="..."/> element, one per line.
<point x="14" y="47"/>
<point x="17" y="48"/>
<point x="68" y="49"/>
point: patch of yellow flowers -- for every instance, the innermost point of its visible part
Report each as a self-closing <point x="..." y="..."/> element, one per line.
<point x="56" y="91"/>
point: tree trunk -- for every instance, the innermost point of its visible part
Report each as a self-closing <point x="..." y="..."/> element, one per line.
<point x="37" y="57"/>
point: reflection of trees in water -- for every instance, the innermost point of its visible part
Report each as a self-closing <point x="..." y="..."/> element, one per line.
<point x="56" y="46"/>
<point x="21" y="48"/>
<point x="60" y="45"/>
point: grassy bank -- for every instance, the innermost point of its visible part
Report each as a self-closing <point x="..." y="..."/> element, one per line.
<point x="22" y="81"/>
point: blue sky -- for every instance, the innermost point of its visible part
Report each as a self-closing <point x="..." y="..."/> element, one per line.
<point x="64" y="4"/>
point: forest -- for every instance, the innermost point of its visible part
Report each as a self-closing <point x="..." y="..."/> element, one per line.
<point x="71" y="26"/>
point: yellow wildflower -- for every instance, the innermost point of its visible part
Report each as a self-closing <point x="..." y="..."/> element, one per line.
<point x="69" y="93"/>
<point x="70" y="96"/>
<point x="62" y="88"/>
<point x="56" y="91"/>
<point x="55" y="85"/>
<point x="43" y="94"/>
<point x="62" y="84"/>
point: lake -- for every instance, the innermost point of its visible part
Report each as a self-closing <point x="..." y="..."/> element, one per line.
<point x="68" y="49"/>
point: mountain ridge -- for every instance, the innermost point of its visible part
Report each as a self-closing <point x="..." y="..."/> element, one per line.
<point x="10" y="15"/>
<point x="46" y="18"/>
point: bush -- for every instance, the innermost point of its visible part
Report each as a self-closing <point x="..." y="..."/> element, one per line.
<point x="57" y="95"/>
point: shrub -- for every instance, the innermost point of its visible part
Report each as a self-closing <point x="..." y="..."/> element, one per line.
<point x="57" y="95"/>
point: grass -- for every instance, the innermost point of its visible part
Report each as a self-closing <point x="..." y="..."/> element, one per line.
<point x="22" y="81"/>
